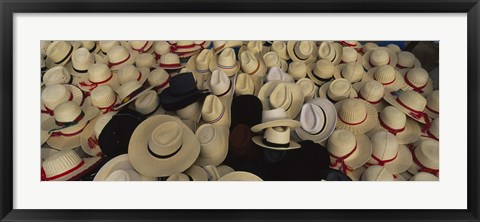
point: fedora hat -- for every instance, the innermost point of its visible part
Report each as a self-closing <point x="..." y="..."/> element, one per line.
<point x="104" y="98"/>
<point x="407" y="60"/>
<point x="337" y="90"/>
<point x="161" y="48"/>
<point x="181" y="92"/>
<point x="198" y="65"/>
<point x="57" y="75"/>
<point x="215" y="172"/>
<point x="130" y="73"/>
<point x="285" y="95"/>
<point x="213" y="144"/>
<point x="142" y="46"/>
<point x="280" y="47"/>
<point x="371" y="91"/>
<point x="170" y="61"/>
<point x="351" y="71"/>
<point x="387" y="153"/>
<point x="194" y="173"/>
<point x="56" y="94"/>
<point x="59" y="53"/>
<point x="225" y="61"/>
<point x="219" y="46"/>
<point x="348" y="151"/>
<point x="410" y="103"/>
<point x="119" y="56"/>
<point x="317" y="120"/>
<point x="67" y="165"/>
<point x="297" y="70"/>
<point x="99" y="74"/>
<point x="378" y="57"/>
<point x="256" y="47"/>
<point x="377" y="173"/>
<point x="91" y="46"/>
<point x="130" y="91"/>
<point x="161" y="146"/>
<point x="244" y="85"/>
<point x="432" y="107"/>
<point x="425" y="155"/>
<point x="323" y="71"/>
<point x="69" y="114"/>
<point x="351" y="55"/>
<point x="252" y="63"/>
<point x="120" y="169"/>
<point x="433" y="131"/>
<point x="356" y="115"/>
<point x="240" y="176"/>
<point x="105" y="46"/>
<point x="272" y="59"/>
<point x="80" y="61"/>
<point x="418" y="80"/>
<point x="277" y="129"/>
<point x="159" y="79"/>
<point x="368" y="46"/>
<point x="303" y="51"/>
<point x="146" y="60"/>
<point x="389" y="77"/>
<point x="357" y="46"/>
<point x="149" y="104"/>
<point x="330" y="51"/>
<point x="277" y="74"/>
<point x="246" y="109"/>
<point x="222" y="86"/>
<point x="310" y="90"/>
<point x="394" y="121"/>
<point x="91" y="133"/>
<point x="424" y="176"/>
<point x="215" y="112"/>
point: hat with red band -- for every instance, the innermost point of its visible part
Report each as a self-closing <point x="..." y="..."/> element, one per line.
<point x="67" y="165"/>
<point x="356" y="115"/>
<point x="347" y="151"/>
<point x="425" y="157"/>
<point x="120" y="169"/>
<point x="387" y="153"/>
<point x="411" y="103"/>
<point x="390" y="78"/>
<point x="119" y="56"/>
<point x="69" y="114"/>
<point x="395" y="121"/>
<point x="418" y="80"/>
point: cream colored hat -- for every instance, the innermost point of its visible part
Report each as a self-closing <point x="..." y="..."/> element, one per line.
<point x="318" y="120"/>
<point x="43" y="47"/>
<point x="161" y="48"/>
<point x="130" y="91"/>
<point x="67" y="165"/>
<point x="56" y="75"/>
<point x="407" y="60"/>
<point x="120" y="169"/>
<point x="44" y="136"/>
<point x="214" y="144"/>
<point x="390" y="78"/>
<point x="182" y="47"/>
<point x="130" y="72"/>
<point x="59" y="53"/>
<point x="347" y="151"/>
<point x="410" y="103"/>
<point x="351" y="55"/>
<point x="99" y="74"/>
<point x="323" y="71"/>
<point x="310" y="90"/>
<point x="433" y="131"/>
<point x="56" y="94"/>
<point x="146" y="60"/>
<point x="104" y="98"/>
<point x="337" y="90"/>
<point x="277" y="74"/>
<point x="252" y="64"/>
<point x="418" y="80"/>
<point x="424" y="176"/>
<point x="255" y="47"/>
<point x="368" y="46"/>
<point x="280" y="47"/>
<point x="240" y="176"/>
<point x="118" y="56"/>
<point x="47" y="152"/>
<point x="356" y="115"/>
<point x="304" y="51"/>
<point x="330" y="51"/>
<point x="81" y="60"/>
<point x="221" y="86"/>
<point x="161" y="146"/>
<point x="215" y="112"/>
<point x="159" y="79"/>
<point x="91" y="46"/>
<point x="194" y="173"/>
<point x="387" y="153"/>
<point x="432" y="107"/>
<point x="91" y="133"/>
<point x="394" y="47"/>
<point x="277" y="94"/>
<point x="216" y="172"/>
<point x="394" y="121"/>
<point x="198" y="65"/>
<point x="219" y="46"/>
<point x="149" y="104"/>
<point x="377" y="173"/>
<point x="297" y="70"/>
<point x="378" y="57"/>
<point x="190" y="112"/>
<point x="142" y="46"/>
<point x="425" y="157"/>
<point x="225" y="61"/>
<point x="66" y="139"/>
<point x="272" y="59"/>
<point x="170" y="61"/>
<point x="69" y="114"/>
<point x="105" y="46"/>
<point x="244" y="85"/>
<point x="357" y="46"/>
<point x="351" y="71"/>
<point x="277" y="129"/>
<point x="372" y="92"/>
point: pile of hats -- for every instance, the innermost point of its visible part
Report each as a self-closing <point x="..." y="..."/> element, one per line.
<point x="236" y="111"/>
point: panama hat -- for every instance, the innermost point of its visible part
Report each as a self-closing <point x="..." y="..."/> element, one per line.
<point x="104" y="98"/>
<point x="119" y="56"/>
<point x="310" y="90"/>
<point x="389" y="77"/>
<point x="351" y="71"/>
<point x="372" y="92"/>
<point x="162" y="145"/>
<point x="246" y="109"/>
<point x="203" y="44"/>
<point x="213" y="144"/>
<point x="244" y="85"/>
<point x="357" y="46"/>
<point x="272" y="59"/>
<point x="91" y="46"/>
<point x="215" y="112"/>
<point x="425" y="157"/>
<point x="304" y="51"/>
<point x="130" y="91"/>
<point x="252" y="63"/>
<point x="387" y="153"/>
<point x="433" y="131"/>
<point x="277" y="74"/>
<point x="356" y="115"/>
<point x="194" y="173"/>
<point x="407" y="60"/>
<point x="418" y="80"/>
<point x="69" y="114"/>
<point x="161" y="48"/>
<point x="146" y="60"/>
<point x="47" y="152"/>
<point x="432" y="107"/>
<point x="297" y="70"/>
<point x="256" y="47"/>
<point x="56" y="94"/>
<point x="59" y="53"/>
<point x="424" y="176"/>
<point x="277" y="129"/>
<point x="351" y="55"/>
<point x="216" y="172"/>
<point x="181" y="92"/>
<point x="170" y="61"/>
<point x="394" y="121"/>
<point x="240" y="176"/>
<point x="317" y="120"/>
<point x="377" y="173"/>
<point x="91" y="133"/>
<point x="410" y="103"/>
<point x="219" y="46"/>
<point x="337" y="90"/>
<point x="323" y="71"/>
<point x="130" y="72"/>
<point x="142" y="46"/>
<point x="225" y="61"/>
<point x="57" y="75"/>
<point x="99" y="74"/>
<point x="159" y="79"/>
<point x="330" y="51"/>
<point x="198" y="65"/>
<point x="190" y="112"/>
<point x="105" y="46"/>
<point x="394" y="47"/>
<point x="368" y="46"/>
<point x="378" y="57"/>
<point x="149" y="104"/>
<point x="347" y="151"/>
<point x="81" y="60"/>
<point x="221" y="86"/>
<point x="67" y="165"/>
<point x="280" y="47"/>
<point x="184" y="46"/>
<point x="120" y="169"/>
<point x="277" y="94"/>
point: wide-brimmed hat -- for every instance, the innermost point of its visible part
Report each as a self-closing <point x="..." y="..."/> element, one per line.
<point x="246" y="109"/>
<point x="119" y="56"/>
<point x="425" y="157"/>
<point x="304" y="51"/>
<point x="69" y="114"/>
<point x="56" y="94"/>
<point x="203" y="44"/>
<point x="423" y="176"/>
<point x="351" y="71"/>
<point x="222" y="86"/>
<point x="330" y="51"/>
<point x="89" y="136"/>
<point x="159" y="79"/>
<point x="394" y="121"/>
<point x="255" y="47"/>
<point x="99" y="74"/>
<point x="277" y="129"/>
<point x="372" y="92"/>
<point x="104" y="98"/>
<point x="80" y="61"/>
<point x="310" y="90"/>
<point x="323" y="71"/>
<point x="377" y="173"/>
<point x="161" y="48"/>
<point x="146" y="60"/>
<point x="337" y="90"/>
<point x="387" y="153"/>
<point x="347" y="151"/>
<point x="225" y="61"/>
<point x="245" y="85"/>
<point x="213" y="144"/>
<point x="67" y="165"/>
<point x="378" y="57"/>
<point x="162" y="145"/>
<point x="170" y="61"/>
<point x="418" y="80"/>
<point x="131" y="72"/>
<point x="351" y="55"/>
<point x="57" y="75"/>
<point x="280" y="47"/>
<point x="368" y="46"/>
<point x="356" y="115"/>
<point x="240" y="176"/>
<point x="432" y="107"/>
<point x="219" y="46"/>
<point x="394" y="47"/>
<point x="433" y="131"/>
<point x="277" y="74"/>
<point x="297" y="70"/>
<point x="318" y="120"/>
<point x="181" y="92"/>
<point x="120" y="169"/>
<point x="390" y="78"/>
<point x="59" y="53"/>
<point x="149" y="104"/>
<point x="277" y="94"/>
<point x="130" y="91"/>
<point x="142" y="46"/>
<point x="252" y="63"/>
<point x="410" y="103"/>
<point x="407" y="60"/>
<point x="215" y="112"/>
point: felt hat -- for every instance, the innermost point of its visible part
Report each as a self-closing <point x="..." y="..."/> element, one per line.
<point x="130" y="91"/>
<point x="297" y="70"/>
<point x="277" y="74"/>
<point x="99" y="74"/>
<point x="304" y="51"/>
<point x="219" y="46"/>
<point x="277" y="94"/>
<point x="67" y="165"/>
<point x="47" y="152"/>
<point x="378" y="57"/>
<point x="240" y="176"/>
<point x="390" y="78"/>
<point x="387" y="153"/>
<point x="222" y="86"/>
<point x="280" y="47"/>
<point x="244" y="85"/>
<point x="131" y="72"/>
<point x="161" y="48"/>
<point x="120" y="169"/>
<point x="57" y="75"/>
<point x="432" y="107"/>
<point x="104" y="98"/>
<point x="277" y="129"/>
<point x="91" y="46"/>
<point x="159" y="79"/>
<point x="198" y="65"/>
<point x="394" y="47"/>
<point x="181" y="92"/>
<point x="56" y="94"/>
<point x="425" y="157"/>
<point x="347" y="151"/>
<point x="59" y="53"/>
<point x="146" y="60"/>
<point x="142" y="46"/>
<point x="372" y="92"/>
<point x="368" y="46"/>
<point x="418" y="80"/>
<point x="407" y="60"/>
<point x="323" y="71"/>
<point x="351" y="71"/>
<point x="225" y="61"/>
<point x="337" y="90"/>
<point x="149" y="104"/>
<point x="241" y="149"/>
<point x="356" y="115"/>
<point x="69" y="114"/>
<point x="162" y="145"/>
<point x="119" y="56"/>
<point x="213" y="144"/>
<point x="377" y="173"/>
<point x="357" y="46"/>
<point x="394" y="121"/>
<point x="351" y="55"/>
<point x="91" y="133"/>
<point x="80" y="61"/>
<point x="246" y="109"/>
<point x="330" y="51"/>
<point x="252" y="63"/>
<point x="317" y="120"/>
<point x="424" y="176"/>
<point x="215" y="112"/>
<point x="215" y="172"/>
<point x="433" y="131"/>
<point x="310" y="90"/>
<point x="170" y="61"/>
<point x="410" y="103"/>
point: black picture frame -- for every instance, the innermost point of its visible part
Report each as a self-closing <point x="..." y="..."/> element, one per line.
<point x="9" y="7"/>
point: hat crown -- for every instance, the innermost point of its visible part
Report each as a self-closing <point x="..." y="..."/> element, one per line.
<point x="101" y="122"/>
<point x="127" y="88"/>
<point x="227" y="57"/>
<point x="303" y="49"/>
<point x="105" y="46"/>
<point x="352" y="71"/>
<point x="240" y="138"/>
<point x="88" y="44"/>
<point x="277" y="74"/>
<point x="341" y="142"/>
<point x="157" y="77"/>
<point x="372" y="91"/>
<point x="67" y="112"/>
<point x="117" y="54"/>
<point x="145" y="60"/>
<point x="138" y="44"/>
<point x="369" y="46"/>
<point x="178" y="177"/>
<point x="377" y="173"/>
<point x="379" y="57"/>
<point x="128" y="73"/>
<point x="427" y="153"/>
<point x="60" y="162"/>
<point x="98" y="72"/>
<point x="312" y="118"/>
<point x="58" y="50"/>
<point x="339" y="89"/>
<point x="147" y="103"/>
<point x="56" y="75"/>
<point x="273" y="114"/>
<point x="249" y="61"/>
<point x="203" y="59"/>
<point x="272" y="59"/>
<point x="255" y="46"/>
<point x="433" y="100"/>
<point x="384" y="74"/>
<point x="434" y="127"/>
<point x="352" y="111"/>
<point x="297" y="68"/>
<point x="384" y="146"/>
<point x="278" y="134"/>
<point x="244" y="85"/>
<point x="162" y="48"/>
<point x="278" y="46"/>
<point x="406" y="59"/>
<point x="166" y="138"/>
<point x="349" y="54"/>
<point x="123" y="175"/>
<point x="206" y="134"/>
<point x="393" y="118"/>
<point x="281" y="97"/>
<point x="54" y="95"/>
<point x="307" y="86"/>
<point x="82" y="59"/>
<point x="103" y="96"/>
<point x="212" y="108"/>
<point x="170" y="58"/>
<point x="413" y="100"/>
<point x="417" y="76"/>
<point x="324" y="69"/>
<point x="219" y="82"/>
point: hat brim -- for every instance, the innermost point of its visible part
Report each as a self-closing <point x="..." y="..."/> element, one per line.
<point x="259" y="141"/>
<point x="362" y="154"/>
<point x="262" y="70"/>
<point x="427" y="90"/>
<point x="120" y="162"/>
<point x="76" y="92"/>
<point x="85" y="135"/>
<point x="330" y="118"/>
<point x="89" y="164"/>
<point x="89" y="111"/>
<point x="122" y="104"/>
<point x="283" y="122"/>
<point x="396" y="85"/>
<point x="392" y="100"/>
<point x="44" y="136"/>
<point x="410" y="134"/>
<point x="113" y="83"/>
<point x="47" y="152"/>
<point x="402" y="162"/>
<point x="392" y="55"/>
<point x="240" y="176"/>
<point x="221" y="148"/>
<point x="130" y="61"/>
<point x="311" y="75"/>
<point x="311" y="58"/>
<point x="230" y="72"/>
<point x="322" y="92"/>
<point x="197" y="173"/>
<point x="297" y="97"/>
<point x="73" y="72"/>
<point x="370" y="122"/>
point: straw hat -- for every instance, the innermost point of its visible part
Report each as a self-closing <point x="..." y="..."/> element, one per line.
<point x="297" y="70"/>
<point x="272" y="59"/>
<point x="330" y="51"/>
<point x="159" y="79"/>
<point x="255" y="47"/>
<point x="184" y="46"/>
<point x="44" y="136"/>
<point x="244" y="85"/>
<point x="425" y="157"/>
<point x="130" y="91"/>
<point x="410" y="103"/>
<point x="347" y="151"/>
<point x="351" y="55"/>
<point x="118" y="56"/>
<point x="105" y="46"/>
<point x="91" y="133"/>
<point x="146" y="60"/>
<point x="368" y="46"/>
<point x="372" y="92"/>
<point x="377" y="173"/>
<point x="323" y="71"/>
<point x="304" y="51"/>
<point x="203" y="44"/>
<point x="99" y="74"/>
<point x="190" y="112"/>
<point x="142" y="46"/>
<point x="252" y="63"/>
<point x="161" y="146"/>
<point x="388" y="153"/>
<point x="318" y="120"/>
<point x="277" y="94"/>
<point x="56" y="94"/>
<point x="225" y="61"/>
<point x="240" y="176"/>
<point x="394" y="121"/>
<point x="418" y="80"/>
<point x="214" y="144"/>
<point x="433" y="131"/>
<point x="120" y="169"/>
<point x="57" y="75"/>
<point x="357" y="46"/>
<point x="378" y="57"/>
<point x="149" y="104"/>
<point x="91" y="46"/>
<point x="337" y="90"/>
<point x="130" y="72"/>
<point x="47" y="152"/>
<point x="277" y="129"/>
<point x="69" y="114"/>
<point x="161" y="48"/>
<point x="351" y="71"/>
<point x="67" y="165"/>
<point x="66" y="139"/>
<point x="170" y="61"/>
<point x="432" y="107"/>
<point x="104" y="98"/>
<point x="221" y="86"/>
<point x="194" y="173"/>
<point x="424" y="176"/>
<point x="281" y="49"/>
<point x="81" y="60"/>
<point x="219" y="46"/>
<point x="43" y="47"/>
<point x="216" y="172"/>
<point x="198" y="65"/>
<point x="394" y="47"/>
<point x="277" y="74"/>
<point x="310" y="90"/>
<point x="389" y="77"/>
<point x="407" y="60"/>
<point x="215" y="112"/>
<point x="356" y="115"/>
<point x="59" y="53"/>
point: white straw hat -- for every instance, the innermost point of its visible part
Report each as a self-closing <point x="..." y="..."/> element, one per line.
<point x="277" y="129"/>
<point x="297" y="70"/>
<point x="81" y="60"/>
<point x="371" y="91"/>
<point x="130" y="72"/>
<point x="304" y="51"/>
<point x="433" y="131"/>
<point x="240" y="176"/>
<point x="142" y="46"/>
<point x="215" y="112"/>
<point x="99" y="74"/>
<point x="221" y="86"/>
<point x="146" y="60"/>
<point x="219" y="46"/>
<point x="214" y="144"/>
<point x="161" y="146"/>
<point x="310" y="90"/>
<point x="424" y="176"/>
<point x="280" y="47"/>
<point x="272" y="59"/>
<point x="59" y="53"/>
<point x="149" y="104"/>
<point x="347" y="151"/>
<point x="418" y="80"/>
<point x="161" y="48"/>
<point x="130" y="91"/>
<point x="198" y="65"/>
<point x="89" y="136"/>
<point x="120" y="169"/>
<point x="378" y="57"/>
<point x="394" y="121"/>
<point x="252" y="63"/>
<point x="170" y="61"/>
<point x="318" y="120"/>
<point x="337" y="90"/>
<point x="351" y="55"/>
<point x="225" y="61"/>
<point x="216" y="172"/>
<point x="277" y="94"/>
<point x="244" y="85"/>
<point x="277" y="74"/>
<point x="69" y="114"/>
<point x="425" y="157"/>
<point x="351" y="71"/>
<point x="330" y="51"/>
<point x="91" y="46"/>
<point x="368" y="46"/>
<point x="394" y="47"/>
<point x="432" y="107"/>
<point x="407" y="60"/>
<point x="57" y="75"/>
<point x="323" y="71"/>
<point x="410" y="103"/>
<point x="67" y="165"/>
<point x="356" y="45"/>
<point x="104" y="98"/>
<point x="56" y="94"/>
<point x="105" y="46"/>
<point x="66" y="139"/>
<point x="118" y="56"/>
<point x="356" y="115"/>
<point x="377" y="173"/>
<point x="388" y="153"/>
<point x="159" y="79"/>
<point x="390" y="78"/>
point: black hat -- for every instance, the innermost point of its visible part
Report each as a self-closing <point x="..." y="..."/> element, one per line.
<point x="242" y="151"/>
<point x="246" y="109"/>
<point x="181" y="92"/>
<point x="334" y="175"/>
<point x="115" y="136"/>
